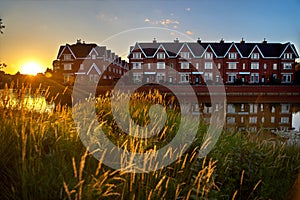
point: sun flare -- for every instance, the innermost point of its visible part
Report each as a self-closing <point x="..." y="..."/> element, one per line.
<point x="31" y="68"/>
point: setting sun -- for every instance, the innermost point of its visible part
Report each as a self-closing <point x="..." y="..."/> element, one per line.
<point x="31" y="68"/>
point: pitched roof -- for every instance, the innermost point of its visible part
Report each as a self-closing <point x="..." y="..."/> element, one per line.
<point x="79" y="50"/>
<point x="268" y="50"/>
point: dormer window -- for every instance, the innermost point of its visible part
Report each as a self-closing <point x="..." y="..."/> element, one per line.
<point x="137" y="55"/>
<point x="232" y="55"/>
<point x="67" y="57"/>
<point x="185" y="55"/>
<point x="160" y="55"/>
<point x="208" y="55"/>
<point x="93" y="56"/>
<point x="255" y="56"/>
<point x="288" y="56"/>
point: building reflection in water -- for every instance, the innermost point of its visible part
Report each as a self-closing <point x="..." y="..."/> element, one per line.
<point x="252" y="117"/>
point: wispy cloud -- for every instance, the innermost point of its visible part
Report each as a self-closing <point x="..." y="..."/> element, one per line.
<point x="108" y="17"/>
<point x="164" y="22"/>
<point x="189" y="32"/>
<point x="188" y="9"/>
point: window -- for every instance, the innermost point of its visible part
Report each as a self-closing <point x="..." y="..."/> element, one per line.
<point x="253" y="108"/>
<point x="184" y="65"/>
<point x="67" y="57"/>
<point x="81" y="66"/>
<point x="94" y="78"/>
<point x="286" y="78"/>
<point x="284" y="120"/>
<point x="272" y="119"/>
<point x="261" y="107"/>
<point x="218" y="79"/>
<point x="137" y="55"/>
<point x="230" y="120"/>
<point x="244" y="66"/>
<point x="160" y="65"/>
<point x="288" y="56"/>
<point x="285" y="108"/>
<point x="265" y="66"/>
<point x="208" y="76"/>
<point x="161" y="77"/>
<point x="219" y="65"/>
<point x="67" y="78"/>
<point x="275" y="66"/>
<point x="255" y="56"/>
<point x="93" y="56"/>
<point x="68" y="66"/>
<point x="232" y="55"/>
<point x="197" y="65"/>
<point x="136" y="65"/>
<point x="252" y="120"/>
<point x="255" y="65"/>
<point x="263" y="120"/>
<point x="208" y="65"/>
<point x="172" y="65"/>
<point x="242" y="107"/>
<point x="254" y="78"/>
<point x="149" y="65"/>
<point x="184" y="78"/>
<point x="137" y="77"/>
<point x="230" y="108"/>
<point x="231" y="65"/>
<point x="273" y="109"/>
<point x="242" y="119"/>
<point x="231" y="78"/>
<point x="185" y="55"/>
<point x="208" y="55"/>
<point x="287" y="65"/>
<point x="160" y="55"/>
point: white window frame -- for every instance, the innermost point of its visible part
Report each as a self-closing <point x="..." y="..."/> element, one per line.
<point x="255" y="65"/>
<point x="255" y="56"/>
<point x="160" y="55"/>
<point x="232" y="55"/>
<point x="185" y="78"/>
<point x="184" y="65"/>
<point x="136" y="65"/>
<point x="81" y="67"/>
<point x="208" y="76"/>
<point x="232" y="65"/>
<point x="94" y="56"/>
<point x="287" y="66"/>
<point x="137" y="77"/>
<point x="68" y="66"/>
<point x="185" y="55"/>
<point x="208" y="55"/>
<point x="286" y="78"/>
<point x="254" y="78"/>
<point x="208" y="65"/>
<point x="285" y="108"/>
<point x="274" y="66"/>
<point x="231" y="77"/>
<point x="284" y="120"/>
<point x="288" y="56"/>
<point x="136" y="55"/>
<point x="161" y="77"/>
<point x="67" y="57"/>
<point x="160" y="65"/>
<point x="253" y="120"/>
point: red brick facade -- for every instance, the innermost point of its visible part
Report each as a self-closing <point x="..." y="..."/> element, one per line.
<point x="199" y="62"/>
<point x="88" y="62"/>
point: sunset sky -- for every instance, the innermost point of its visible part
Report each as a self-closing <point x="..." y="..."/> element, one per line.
<point x="35" y="29"/>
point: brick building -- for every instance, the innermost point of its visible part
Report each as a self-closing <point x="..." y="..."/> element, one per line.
<point x="212" y="62"/>
<point x="88" y="62"/>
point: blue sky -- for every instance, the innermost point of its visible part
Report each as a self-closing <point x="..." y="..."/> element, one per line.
<point x="35" y="29"/>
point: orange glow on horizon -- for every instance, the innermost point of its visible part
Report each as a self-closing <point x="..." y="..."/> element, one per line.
<point x="31" y="68"/>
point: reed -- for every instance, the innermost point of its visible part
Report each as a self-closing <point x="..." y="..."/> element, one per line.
<point x="42" y="157"/>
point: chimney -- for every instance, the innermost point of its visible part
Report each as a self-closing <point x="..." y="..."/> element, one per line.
<point x="264" y="41"/>
<point x="222" y="41"/>
<point x="154" y="40"/>
<point x="78" y="41"/>
<point x="242" y="41"/>
<point x="198" y="40"/>
<point x="176" y="40"/>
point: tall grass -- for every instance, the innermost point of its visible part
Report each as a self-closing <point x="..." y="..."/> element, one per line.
<point x="42" y="157"/>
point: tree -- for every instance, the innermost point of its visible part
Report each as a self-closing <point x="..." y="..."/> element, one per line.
<point x="1" y="26"/>
<point x="2" y="65"/>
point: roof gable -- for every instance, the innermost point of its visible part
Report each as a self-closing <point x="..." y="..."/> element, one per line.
<point x="95" y="67"/>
